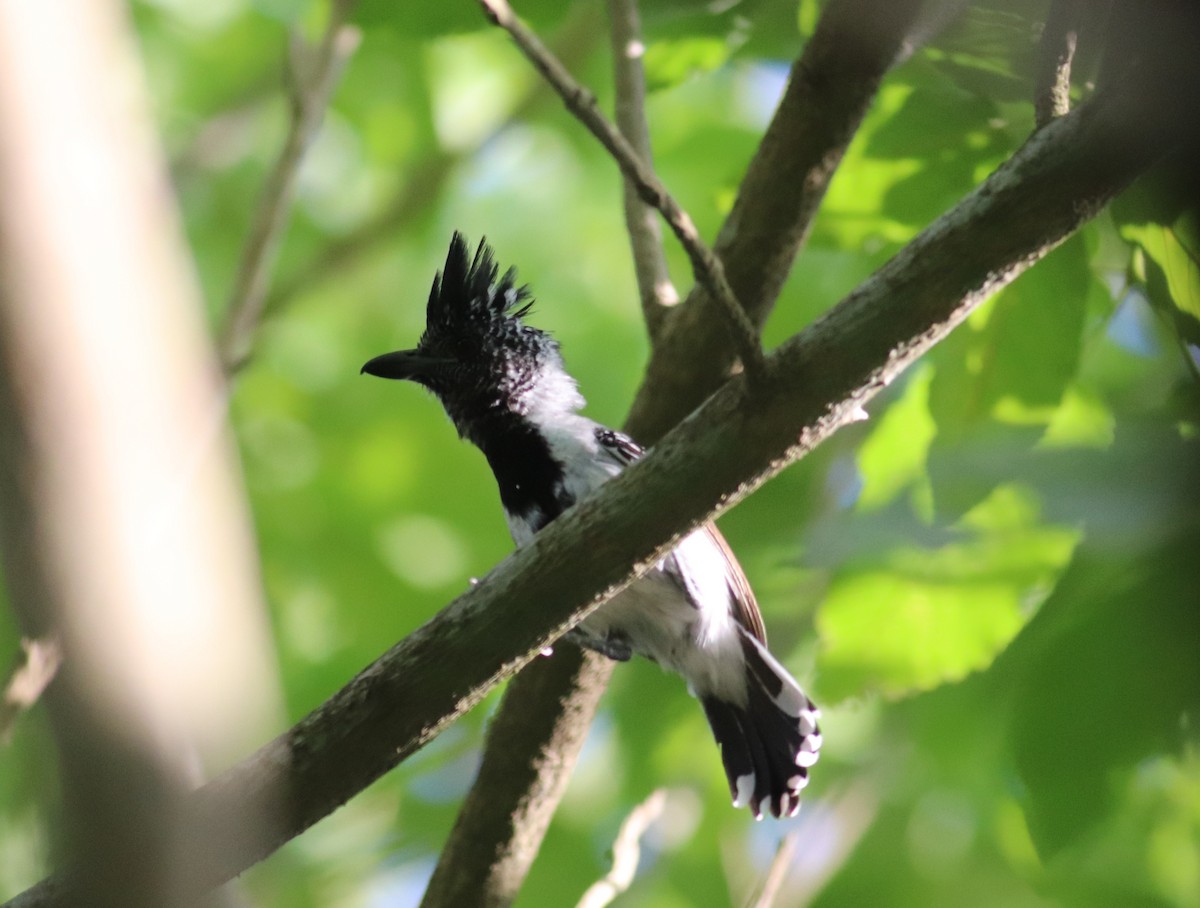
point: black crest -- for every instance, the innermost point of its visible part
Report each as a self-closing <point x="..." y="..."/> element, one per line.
<point x="467" y="290"/>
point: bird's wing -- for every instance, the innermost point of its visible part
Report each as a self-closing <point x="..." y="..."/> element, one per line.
<point x="745" y="606"/>
<point x="624" y="450"/>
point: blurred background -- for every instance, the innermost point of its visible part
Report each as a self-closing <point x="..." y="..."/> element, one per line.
<point x="990" y="586"/>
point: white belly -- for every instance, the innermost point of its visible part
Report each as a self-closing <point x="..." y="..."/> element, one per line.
<point x="661" y="623"/>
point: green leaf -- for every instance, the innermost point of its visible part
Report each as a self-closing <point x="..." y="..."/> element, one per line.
<point x="1001" y="377"/>
<point x="1159" y="216"/>
<point x="1170" y="270"/>
<point x="918" y="617"/>
<point x="1109" y="678"/>
<point x="668" y="63"/>
<point x="892" y="458"/>
<point x="989" y="49"/>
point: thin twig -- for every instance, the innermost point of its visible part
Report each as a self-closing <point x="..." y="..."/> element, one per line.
<point x="582" y="103"/>
<point x="777" y="872"/>
<point x="312" y="74"/>
<point x="657" y="292"/>
<point x="426" y="177"/>
<point x="1052" y="97"/>
<point x="420" y="189"/>
<point x="34" y="670"/>
<point x="831" y="87"/>
<point x="626" y="852"/>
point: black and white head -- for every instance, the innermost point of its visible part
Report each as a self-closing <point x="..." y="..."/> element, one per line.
<point x="477" y="355"/>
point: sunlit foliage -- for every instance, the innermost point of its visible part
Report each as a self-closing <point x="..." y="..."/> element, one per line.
<point x="991" y="585"/>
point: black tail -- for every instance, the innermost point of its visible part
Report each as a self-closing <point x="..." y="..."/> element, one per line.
<point x="768" y="744"/>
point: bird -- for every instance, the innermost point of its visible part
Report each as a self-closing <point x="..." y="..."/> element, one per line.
<point x="505" y="387"/>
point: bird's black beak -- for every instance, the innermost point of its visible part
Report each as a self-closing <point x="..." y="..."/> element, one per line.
<point x="408" y="364"/>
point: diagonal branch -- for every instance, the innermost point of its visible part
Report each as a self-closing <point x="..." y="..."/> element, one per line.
<point x="777" y="872"/>
<point x="707" y="266"/>
<point x="812" y="385"/>
<point x="313" y="74"/>
<point x="425" y="178"/>
<point x="626" y="852"/>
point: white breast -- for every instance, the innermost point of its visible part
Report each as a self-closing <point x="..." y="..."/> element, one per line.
<point x="681" y="615"/>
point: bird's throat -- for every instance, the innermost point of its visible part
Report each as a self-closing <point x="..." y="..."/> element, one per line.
<point x="530" y="479"/>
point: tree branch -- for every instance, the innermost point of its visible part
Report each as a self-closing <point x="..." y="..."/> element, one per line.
<point x="1052" y="93"/>
<point x="122" y="526"/>
<point x="313" y="73"/>
<point x="655" y="289"/>
<point x="34" y="670"/>
<point x="421" y="187"/>
<point x="626" y="852"/>
<point x="777" y="872"/>
<point x="425" y="178"/>
<point x="829" y="92"/>
<point x="706" y="265"/>
<point x="812" y="384"/>
<point x="531" y="747"/>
